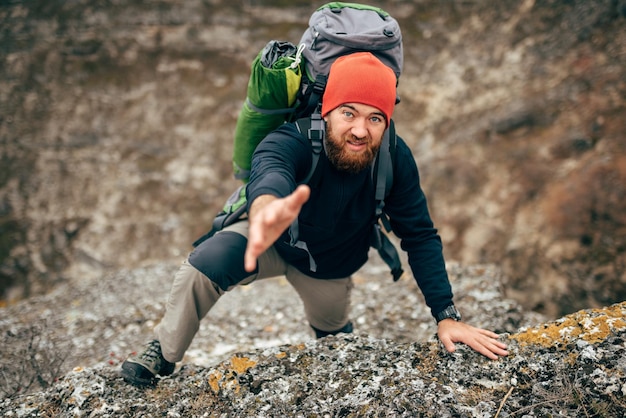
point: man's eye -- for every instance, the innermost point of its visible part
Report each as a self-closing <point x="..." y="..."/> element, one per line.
<point x="376" y="119"/>
<point x="348" y="114"/>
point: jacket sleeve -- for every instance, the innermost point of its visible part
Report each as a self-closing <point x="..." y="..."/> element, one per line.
<point x="410" y="219"/>
<point x="278" y="163"/>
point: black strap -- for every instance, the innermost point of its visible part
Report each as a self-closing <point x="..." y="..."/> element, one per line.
<point x="382" y="175"/>
<point x="313" y="128"/>
<point x="387" y="252"/>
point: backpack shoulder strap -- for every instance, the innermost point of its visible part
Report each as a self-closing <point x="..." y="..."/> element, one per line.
<point x="382" y="171"/>
<point x="312" y="127"/>
<point x="382" y="176"/>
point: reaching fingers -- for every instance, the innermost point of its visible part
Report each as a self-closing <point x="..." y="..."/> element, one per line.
<point x="254" y="248"/>
<point x="270" y="221"/>
<point x="298" y="198"/>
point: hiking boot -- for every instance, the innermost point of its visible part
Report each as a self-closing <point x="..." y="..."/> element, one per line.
<point x="141" y="369"/>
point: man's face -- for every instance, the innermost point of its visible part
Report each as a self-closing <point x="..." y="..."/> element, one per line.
<point x="354" y="132"/>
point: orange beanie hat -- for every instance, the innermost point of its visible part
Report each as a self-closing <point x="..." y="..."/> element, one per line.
<point x="360" y="78"/>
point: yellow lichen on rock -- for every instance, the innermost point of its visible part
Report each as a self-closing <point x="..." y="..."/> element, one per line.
<point x="214" y="381"/>
<point x="241" y="364"/>
<point x="237" y="366"/>
<point x="593" y="326"/>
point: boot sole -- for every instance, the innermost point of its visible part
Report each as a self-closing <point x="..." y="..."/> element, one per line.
<point x="132" y="373"/>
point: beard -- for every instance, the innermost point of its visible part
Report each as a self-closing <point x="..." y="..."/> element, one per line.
<point x="344" y="159"/>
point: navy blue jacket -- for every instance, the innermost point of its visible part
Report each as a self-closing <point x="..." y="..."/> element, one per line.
<point x="336" y="222"/>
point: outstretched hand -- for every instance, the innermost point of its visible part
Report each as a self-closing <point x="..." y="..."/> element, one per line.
<point x="483" y="341"/>
<point x="269" y="217"/>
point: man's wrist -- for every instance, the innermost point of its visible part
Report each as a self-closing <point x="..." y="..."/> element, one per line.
<point x="449" y="312"/>
<point x="259" y="203"/>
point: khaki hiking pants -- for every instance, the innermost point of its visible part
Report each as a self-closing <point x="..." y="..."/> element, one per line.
<point x="193" y="294"/>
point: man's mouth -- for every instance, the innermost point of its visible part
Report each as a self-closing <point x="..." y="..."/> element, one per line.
<point x="356" y="145"/>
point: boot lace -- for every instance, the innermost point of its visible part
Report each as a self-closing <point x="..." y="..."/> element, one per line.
<point x="152" y="352"/>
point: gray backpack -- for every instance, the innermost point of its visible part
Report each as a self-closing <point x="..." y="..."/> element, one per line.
<point x="338" y="29"/>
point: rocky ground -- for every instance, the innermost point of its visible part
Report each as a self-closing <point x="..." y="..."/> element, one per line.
<point x="116" y="125"/>
<point x="254" y="356"/>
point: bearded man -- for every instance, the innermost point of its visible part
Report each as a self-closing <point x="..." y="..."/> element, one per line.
<point x="335" y="218"/>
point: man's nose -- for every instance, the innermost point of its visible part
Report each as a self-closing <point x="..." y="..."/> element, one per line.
<point x="359" y="128"/>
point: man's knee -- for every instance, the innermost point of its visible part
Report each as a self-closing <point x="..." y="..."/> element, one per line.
<point x="220" y="258"/>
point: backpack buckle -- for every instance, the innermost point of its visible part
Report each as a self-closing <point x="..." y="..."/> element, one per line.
<point x="320" y="84"/>
<point x="316" y="131"/>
